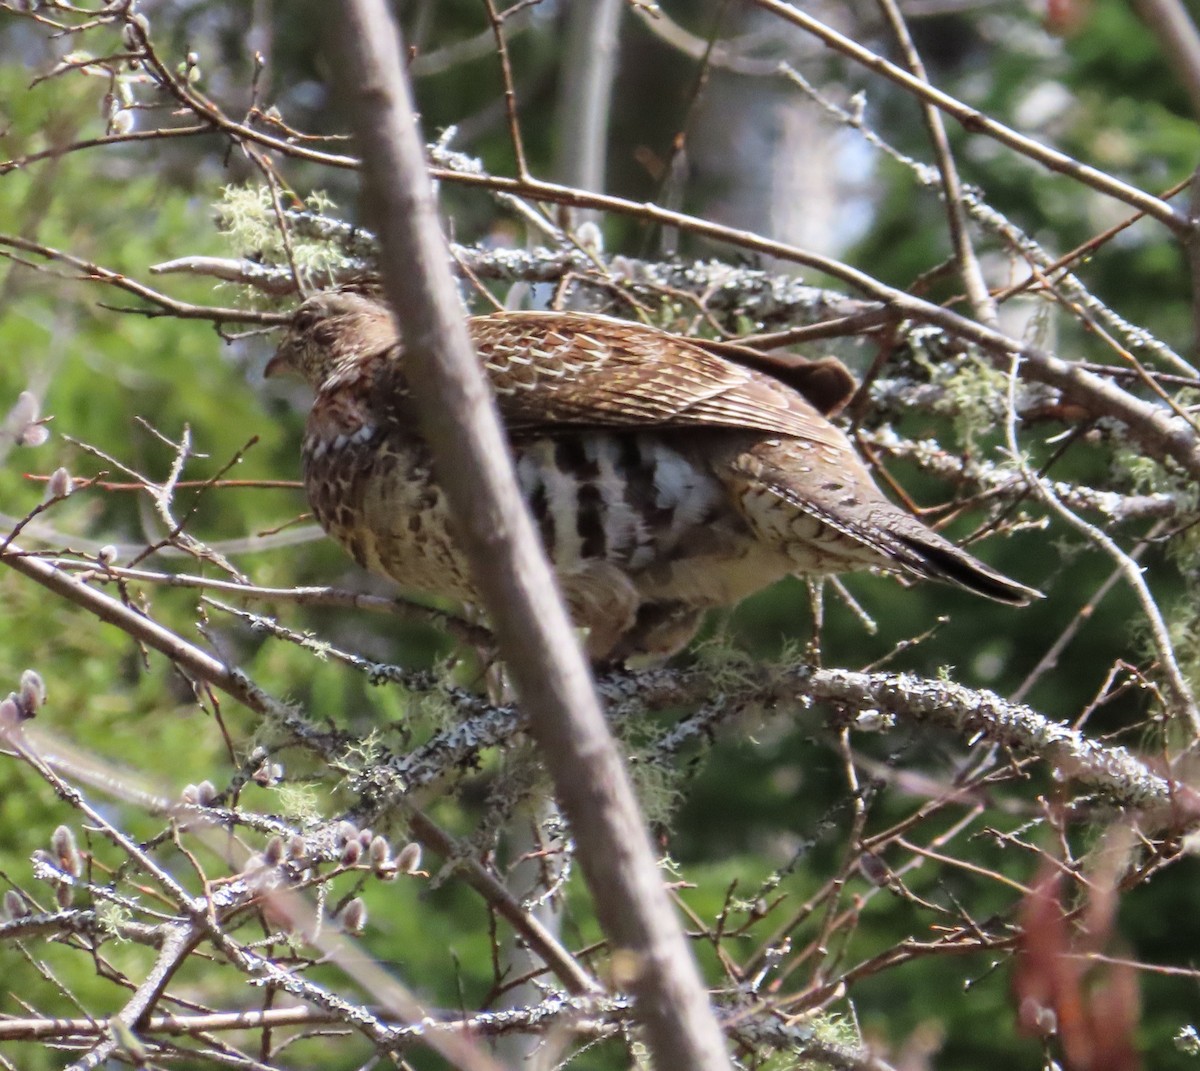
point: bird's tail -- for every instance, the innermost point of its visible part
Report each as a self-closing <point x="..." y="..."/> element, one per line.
<point x="838" y="521"/>
<point x="931" y="556"/>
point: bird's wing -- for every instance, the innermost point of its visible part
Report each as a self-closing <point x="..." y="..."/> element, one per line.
<point x="549" y="369"/>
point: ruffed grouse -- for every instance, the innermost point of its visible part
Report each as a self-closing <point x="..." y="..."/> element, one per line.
<point x="664" y="479"/>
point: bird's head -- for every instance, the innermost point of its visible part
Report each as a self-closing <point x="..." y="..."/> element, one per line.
<point x="331" y="331"/>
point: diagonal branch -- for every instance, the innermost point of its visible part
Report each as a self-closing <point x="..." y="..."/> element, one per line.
<point x="236" y="684"/>
<point x="976" y="122"/>
<point x="952" y="193"/>
<point x="497" y="535"/>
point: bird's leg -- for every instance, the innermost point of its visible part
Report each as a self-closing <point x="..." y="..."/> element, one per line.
<point x="603" y="601"/>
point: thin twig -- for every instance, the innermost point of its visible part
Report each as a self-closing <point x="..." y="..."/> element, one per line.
<point x="960" y="238"/>
<point x="510" y="92"/>
<point x="1180" y="690"/>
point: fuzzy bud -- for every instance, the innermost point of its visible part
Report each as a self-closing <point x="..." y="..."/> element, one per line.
<point x="64" y="896"/>
<point x="409" y="859"/>
<point x="874" y="869"/>
<point x="297" y="848"/>
<point x="59" y="485"/>
<point x="107" y="554"/>
<point x="380" y="852"/>
<point x="33" y="435"/>
<point x="345" y="831"/>
<point x="190" y="795"/>
<point x="365" y="836"/>
<point x="273" y="852"/>
<point x="206" y="794"/>
<point x="381" y="862"/>
<point x="66" y="855"/>
<point x="32" y="696"/>
<point x="14" y="905"/>
<point x="354" y="916"/>
<point x="590" y="237"/>
<point x="352" y="853"/>
<point x="10" y="714"/>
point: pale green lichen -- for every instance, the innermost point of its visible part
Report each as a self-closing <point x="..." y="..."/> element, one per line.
<point x="1140" y="473"/>
<point x="823" y="1031"/>
<point x="973" y="390"/>
<point x="303" y="803"/>
<point x="363" y="753"/>
<point x="975" y="394"/>
<point x="732" y="669"/>
<point x="832" y="1029"/>
<point x="433" y="710"/>
<point x="247" y="216"/>
<point x="656" y="784"/>
<point x="111" y="919"/>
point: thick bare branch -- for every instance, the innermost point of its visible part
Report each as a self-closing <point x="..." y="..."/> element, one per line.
<point x="508" y="566"/>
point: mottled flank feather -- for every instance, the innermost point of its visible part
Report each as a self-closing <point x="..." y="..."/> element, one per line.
<point x="664" y="479"/>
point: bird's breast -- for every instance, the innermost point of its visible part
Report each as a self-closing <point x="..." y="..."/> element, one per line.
<point x="649" y="507"/>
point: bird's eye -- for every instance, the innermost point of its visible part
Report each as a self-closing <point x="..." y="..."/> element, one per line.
<point x="304" y="318"/>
